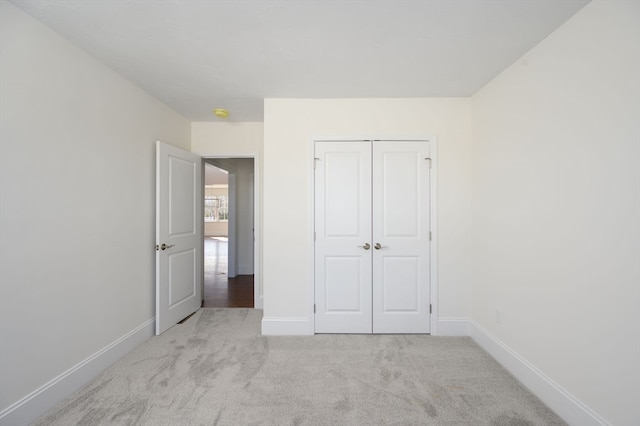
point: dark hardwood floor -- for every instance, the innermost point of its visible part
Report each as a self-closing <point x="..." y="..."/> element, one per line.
<point x="220" y="291"/>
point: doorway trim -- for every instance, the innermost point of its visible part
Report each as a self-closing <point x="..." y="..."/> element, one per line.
<point x="258" y="293"/>
<point x="433" y="211"/>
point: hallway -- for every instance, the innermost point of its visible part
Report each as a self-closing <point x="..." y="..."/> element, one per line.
<point x="220" y="291"/>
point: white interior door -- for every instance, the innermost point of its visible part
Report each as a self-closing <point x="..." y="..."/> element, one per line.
<point x="372" y="237"/>
<point x="401" y="237"/>
<point x="179" y="247"/>
<point x="343" y="237"/>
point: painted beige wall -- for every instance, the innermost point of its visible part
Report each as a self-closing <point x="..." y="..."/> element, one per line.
<point x="226" y="138"/>
<point x="290" y="125"/>
<point x="68" y="124"/>
<point x="556" y="195"/>
<point x="216" y="229"/>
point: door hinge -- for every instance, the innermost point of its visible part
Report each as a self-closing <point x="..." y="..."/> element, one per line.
<point x="430" y="308"/>
<point x="428" y="158"/>
<point x="314" y="235"/>
<point x="315" y="161"/>
<point x="314" y="308"/>
<point x="429" y="235"/>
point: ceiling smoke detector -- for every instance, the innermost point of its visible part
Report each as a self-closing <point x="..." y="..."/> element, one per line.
<point x="221" y="112"/>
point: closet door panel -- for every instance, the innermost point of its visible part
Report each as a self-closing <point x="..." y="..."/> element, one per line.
<point x="401" y="237"/>
<point x="343" y="233"/>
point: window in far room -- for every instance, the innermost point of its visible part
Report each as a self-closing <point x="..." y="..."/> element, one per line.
<point x="216" y="203"/>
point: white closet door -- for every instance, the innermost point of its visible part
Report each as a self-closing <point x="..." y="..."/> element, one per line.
<point x="401" y="231"/>
<point x="343" y="237"/>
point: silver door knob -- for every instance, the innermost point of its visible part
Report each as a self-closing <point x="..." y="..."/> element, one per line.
<point x="366" y="246"/>
<point x="378" y="246"/>
<point x="164" y="246"/>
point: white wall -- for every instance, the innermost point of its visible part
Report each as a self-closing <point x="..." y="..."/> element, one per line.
<point x="289" y="127"/>
<point x="556" y="239"/>
<point x="68" y="125"/>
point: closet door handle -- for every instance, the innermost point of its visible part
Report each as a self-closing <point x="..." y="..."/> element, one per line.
<point x="379" y="247"/>
<point x="366" y="246"/>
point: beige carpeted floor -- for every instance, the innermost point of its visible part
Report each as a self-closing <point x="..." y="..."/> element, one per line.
<point x="216" y="369"/>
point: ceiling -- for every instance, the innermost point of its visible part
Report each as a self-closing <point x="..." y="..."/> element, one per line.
<point x="197" y="55"/>
<point x="215" y="176"/>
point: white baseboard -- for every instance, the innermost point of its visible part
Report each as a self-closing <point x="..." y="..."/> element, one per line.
<point x="287" y="327"/>
<point x="38" y="402"/>
<point x="558" y="399"/>
<point x="451" y="327"/>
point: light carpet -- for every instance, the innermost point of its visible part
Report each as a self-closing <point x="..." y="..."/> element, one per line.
<point x="216" y="369"/>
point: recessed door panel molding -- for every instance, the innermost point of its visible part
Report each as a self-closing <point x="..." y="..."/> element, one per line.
<point x="182" y="272"/>
<point x="400" y="194"/>
<point x="340" y="296"/>
<point x="401" y="284"/>
<point x="182" y="191"/>
<point x="343" y="180"/>
<point x="372" y="246"/>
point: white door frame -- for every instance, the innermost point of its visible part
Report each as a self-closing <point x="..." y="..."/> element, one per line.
<point x="258" y="299"/>
<point x="433" y="210"/>
<point x="232" y="234"/>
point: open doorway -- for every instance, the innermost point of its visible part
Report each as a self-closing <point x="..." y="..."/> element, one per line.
<point x="228" y="233"/>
